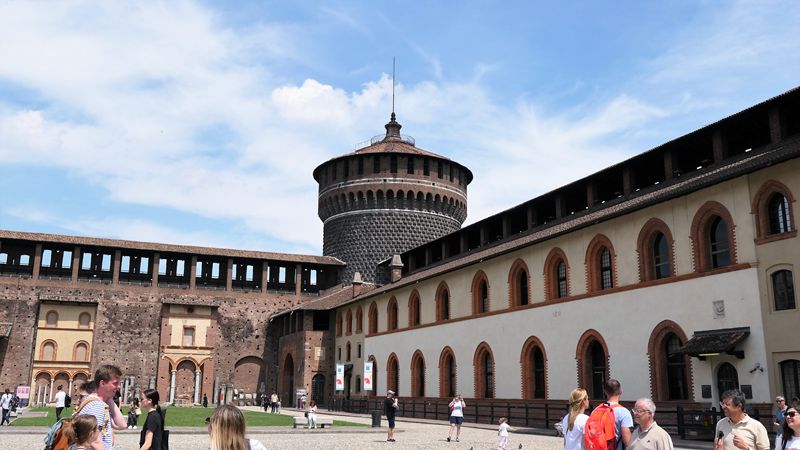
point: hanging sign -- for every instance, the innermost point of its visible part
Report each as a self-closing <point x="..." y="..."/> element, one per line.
<point x="368" y="376"/>
<point x="340" y="377"/>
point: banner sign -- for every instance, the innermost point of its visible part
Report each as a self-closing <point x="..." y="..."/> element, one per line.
<point x="340" y="377"/>
<point x="23" y="391"/>
<point x="368" y="376"/>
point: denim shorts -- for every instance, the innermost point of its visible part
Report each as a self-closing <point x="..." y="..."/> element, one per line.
<point x="390" y="419"/>
<point x="456" y="420"/>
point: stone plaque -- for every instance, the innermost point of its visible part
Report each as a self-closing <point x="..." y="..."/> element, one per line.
<point x="747" y="389"/>
<point x="706" y="390"/>
<point x="719" y="309"/>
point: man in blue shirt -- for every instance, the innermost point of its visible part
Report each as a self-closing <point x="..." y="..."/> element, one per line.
<point x="622" y="417"/>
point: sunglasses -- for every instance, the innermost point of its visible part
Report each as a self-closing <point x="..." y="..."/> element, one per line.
<point x="790" y="414"/>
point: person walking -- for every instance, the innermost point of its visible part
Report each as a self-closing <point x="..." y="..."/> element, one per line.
<point x="205" y="401"/>
<point x="227" y="430"/>
<point x="502" y="432"/>
<point x="312" y="414"/>
<point x="61" y="400"/>
<point x="789" y="435"/>
<point x="456" y="406"/>
<point x="390" y="406"/>
<point x="5" y="403"/>
<point x="153" y="429"/>
<point x="737" y="430"/>
<point x="648" y="435"/>
<point x="572" y="425"/>
<point x="273" y="402"/>
<point x="780" y="409"/>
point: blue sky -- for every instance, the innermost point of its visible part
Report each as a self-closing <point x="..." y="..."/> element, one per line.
<point x="201" y="122"/>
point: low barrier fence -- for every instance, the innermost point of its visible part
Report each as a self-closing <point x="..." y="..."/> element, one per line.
<point x="686" y="421"/>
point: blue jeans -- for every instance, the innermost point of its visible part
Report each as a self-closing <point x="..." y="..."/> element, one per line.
<point x="6" y="420"/>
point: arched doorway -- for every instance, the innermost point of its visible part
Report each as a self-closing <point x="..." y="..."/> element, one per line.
<point x="596" y="362"/>
<point x="318" y="388"/>
<point x="287" y="387"/>
<point x="727" y="378"/>
<point x="247" y="374"/>
<point x="42" y="389"/>
<point x="184" y="383"/>
<point x="77" y="382"/>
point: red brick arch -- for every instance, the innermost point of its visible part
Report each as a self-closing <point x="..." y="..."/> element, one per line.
<point x="481" y="352"/>
<point x="701" y="226"/>
<point x="393" y="373"/>
<point x="657" y="360"/>
<point x="644" y="246"/>
<point x="443" y="302"/>
<point x="447" y="352"/>
<point x="581" y="355"/>
<point x="480" y="276"/>
<point x="418" y="384"/>
<point x="527" y="372"/>
<point x="550" y="275"/>
<point x="515" y="296"/>
<point x="760" y="207"/>
<point x="592" y="262"/>
<point x="359" y="320"/>
<point x="391" y="314"/>
<point x="373" y="319"/>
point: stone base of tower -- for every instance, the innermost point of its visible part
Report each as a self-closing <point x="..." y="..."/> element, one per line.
<point x="364" y="237"/>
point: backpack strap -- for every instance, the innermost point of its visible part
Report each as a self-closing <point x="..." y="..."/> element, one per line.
<point x="90" y="400"/>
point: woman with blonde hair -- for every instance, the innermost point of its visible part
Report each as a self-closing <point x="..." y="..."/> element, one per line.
<point x="227" y="428"/>
<point x="572" y="425"/>
<point x="81" y="431"/>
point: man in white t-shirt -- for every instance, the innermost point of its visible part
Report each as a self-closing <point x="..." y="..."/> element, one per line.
<point x="5" y="403"/>
<point x="61" y="397"/>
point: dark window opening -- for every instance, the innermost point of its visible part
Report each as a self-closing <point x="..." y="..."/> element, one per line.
<point x="136" y="268"/>
<point x="376" y="164"/>
<point x="439" y="169"/>
<point x="597" y="364"/>
<point x="280" y="277"/>
<point x="345" y="168"/>
<point x="720" y="251"/>
<point x="96" y="265"/>
<point x="56" y="262"/>
<point x="211" y="273"/>
<point x="677" y="381"/>
<point x="537" y="362"/>
<point x="360" y="165"/>
<point x="783" y="290"/>
<point x="246" y="275"/>
<point x="426" y="170"/>
<point x="410" y="165"/>
<point x="321" y="321"/>
<point x="16" y="259"/>
<point x="561" y="279"/>
<point x="727" y="378"/>
<point x="488" y="376"/>
<point x="790" y="376"/>
<point x="174" y="270"/>
<point x="606" y="276"/>
<point x="661" y="257"/>
<point x="779" y="219"/>
<point x="393" y="163"/>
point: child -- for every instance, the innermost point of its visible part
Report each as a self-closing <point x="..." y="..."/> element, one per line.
<point x="503" y="432"/>
<point x="81" y="431"/>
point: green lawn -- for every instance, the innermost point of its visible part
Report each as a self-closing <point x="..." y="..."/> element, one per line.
<point x="177" y="417"/>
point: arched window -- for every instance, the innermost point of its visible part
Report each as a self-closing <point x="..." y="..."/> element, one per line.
<point x="391" y="314"/>
<point x="779" y="219"/>
<point x="790" y="376"/>
<point x="392" y="374"/>
<point x="655" y="251"/>
<point x="48" y="352"/>
<point x="600" y="264"/>
<point x="81" y="352"/>
<point x="374" y="362"/>
<point x="669" y="369"/>
<point x="447" y="373"/>
<point x="480" y="293"/>
<point x="533" y="362"/>
<point x="713" y="237"/>
<point x="772" y="206"/>
<point x="592" y="363"/>
<point x="484" y="371"/>
<point x="442" y="302"/>
<point x="359" y="320"/>
<point x="349" y="322"/>
<point x="339" y="323"/>
<point x="51" y="319"/>
<point x="414" y="313"/>
<point x="348" y="351"/>
<point x="556" y="275"/>
<point x="727" y="378"/>
<point x="84" y="320"/>
<point x="518" y="284"/>
<point x="783" y="290"/>
<point x="719" y="245"/>
<point x="373" y="318"/>
<point x="418" y="375"/>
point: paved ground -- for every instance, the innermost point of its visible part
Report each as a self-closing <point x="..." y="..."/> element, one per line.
<point x="410" y="435"/>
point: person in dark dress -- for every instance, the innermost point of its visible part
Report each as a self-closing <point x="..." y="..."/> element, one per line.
<point x="390" y="409"/>
<point x="153" y="428"/>
<point x="205" y="401"/>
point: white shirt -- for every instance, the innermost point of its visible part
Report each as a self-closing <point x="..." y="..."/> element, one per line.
<point x="573" y="439"/>
<point x="792" y="444"/>
<point x="504" y="429"/>
<point x="60" y="399"/>
<point x="255" y="445"/>
<point x="458" y="409"/>
<point x="5" y="401"/>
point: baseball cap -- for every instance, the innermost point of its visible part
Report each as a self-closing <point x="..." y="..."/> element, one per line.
<point x="390" y="392"/>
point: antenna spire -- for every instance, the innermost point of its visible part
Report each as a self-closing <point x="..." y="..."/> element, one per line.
<point x="393" y="76"/>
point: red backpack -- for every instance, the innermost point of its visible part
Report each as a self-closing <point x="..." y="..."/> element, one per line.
<point x="600" y="432"/>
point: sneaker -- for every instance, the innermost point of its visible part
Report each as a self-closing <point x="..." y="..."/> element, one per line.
<point x="456" y="438"/>
<point x="448" y="438"/>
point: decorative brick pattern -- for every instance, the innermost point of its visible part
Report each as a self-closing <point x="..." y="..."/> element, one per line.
<point x="527" y="371"/>
<point x="644" y="247"/>
<point x="657" y="357"/>
<point x="700" y="230"/>
<point x="444" y="389"/>
<point x="481" y="352"/>
<point x="592" y="262"/>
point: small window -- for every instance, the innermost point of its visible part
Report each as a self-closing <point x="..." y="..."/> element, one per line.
<point x="282" y="275"/>
<point x="720" y="247"/>
<point x="47" y="257"/>
<point x="3" y="258"/>
<point x="339" y="353"/>
<point x="346" y="168"/>
<point x="66" y="259"/>
<point x="410" y="165"/>
<point x="144" y="265"/>
<point x="779" y="218"/>
<point x="376" y="166"/>
<point x="179" y="268"/>
<point x="215" y="271"/>
<point x="86" y="262"/>
<point x="361" y="165"/>
<point x="426" y="169"/>
<point x="49" y="351"/>
<point x="661" y="257"/>
<point x="125" y="265"/>
<point x="358" y="351"/>
<point x="81" y="352"/>
<point x="783" y="290"/>
<point x="188" y="337"/>
<point x="348" y="351"/>
<point x="561" y="277"/>
<point x="440" y="169"/>
<point x="52" y="319"/>
<point x="105" y="265"/>
<point x="393" y="163"/>
<point x="84" y="320"/>
<point x="606" y="279"/>
<point x="162" y="266"/>
<point x="24" y="260"/>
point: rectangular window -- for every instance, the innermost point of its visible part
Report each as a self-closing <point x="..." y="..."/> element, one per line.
<point x="66" y="259"/>
<point x="313" y="277"/>
<point x="215" y="270"/>
<point x="361" y="165"/>
<point x="86" y="262"/>
<point x="339" y="352"/>
<point x="180" y="267"/>
<point x="410" y="164"/>
<point x="47" y="255"/>
<point x="359" y="351"/>
<point x="282" y="275"/>
<point x="188" y="337"/>
<point x="162" y="266"/>
<point x="199" y="270"/>
<point x="125" y="266"/>
<point x="393" y="163"/>
<point x="426" y="169"/>
<point x="105" y="266"/>
<point x="233" y="271"/>
<point x="346" y="168"/>
<point x="144" y="265"/>
<point x="440" y="169"/>
<point x="451" y="172"/>
<point x="248" y="276"/>
<point x="3" y="258"/>
<point x="376" y="164"/>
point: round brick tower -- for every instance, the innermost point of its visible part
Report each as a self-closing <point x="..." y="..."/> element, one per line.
<point x="387" y="197"/>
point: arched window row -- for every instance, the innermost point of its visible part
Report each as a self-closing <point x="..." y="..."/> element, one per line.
<point x="390" y="199"/>
<point x="392" y="163"/>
